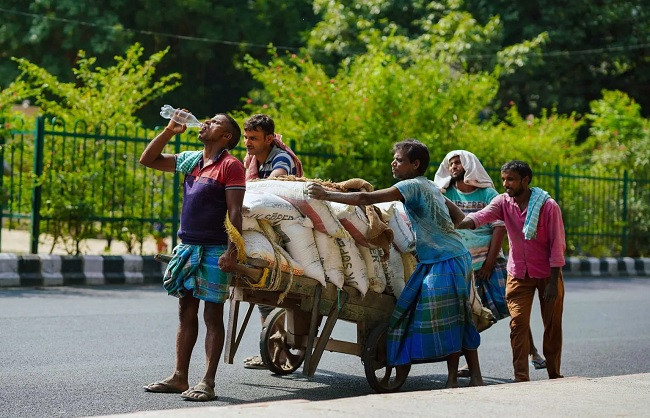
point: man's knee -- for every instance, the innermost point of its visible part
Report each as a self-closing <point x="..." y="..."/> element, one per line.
<point x="213" y="314"/>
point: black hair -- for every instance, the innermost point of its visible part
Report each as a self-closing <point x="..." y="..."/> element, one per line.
<point x="415" y="150"/>
<point x="262" y="122"/>
<point x="522" y="168"/>
<point x="235" y="130"/>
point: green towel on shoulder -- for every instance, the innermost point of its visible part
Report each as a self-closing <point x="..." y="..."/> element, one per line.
<point x="537" y="199"/>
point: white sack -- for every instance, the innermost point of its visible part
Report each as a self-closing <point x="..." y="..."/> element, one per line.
<point x="394" y="273"/>
<point x="299" y="242"/>
<point x="376" y="276"/>
<point x="258" y="247"/>
<point x="354" y="220"/>
<point x="395" y="215"/>
<point x="330" y="257"/>
<point x="354" y="267"/>
<point x="269" y="207"/>
<point x="295" y="192"/>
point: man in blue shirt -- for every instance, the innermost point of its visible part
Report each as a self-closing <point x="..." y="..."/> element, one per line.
<point x="266" y="157"/>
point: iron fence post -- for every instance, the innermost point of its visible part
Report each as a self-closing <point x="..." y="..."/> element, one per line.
<point x="176" y="200"/>
<point x="36" y="190"/>
<point x="557" y="183"/>
<point x="624" y="215"/>
<point x="2" y="175"/>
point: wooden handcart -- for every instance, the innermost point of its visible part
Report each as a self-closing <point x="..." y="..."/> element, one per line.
<point x="290" y="335"/>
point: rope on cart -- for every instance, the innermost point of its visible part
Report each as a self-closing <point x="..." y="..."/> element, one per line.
<point x="279" y="254"/>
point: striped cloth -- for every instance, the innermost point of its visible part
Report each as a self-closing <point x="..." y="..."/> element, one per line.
<point x="432" y="317"/>
<point x="493" y="292"/>
<point x="195" y="268"/>
<point x="187" y="160"/>
<point x="537" y="199"/>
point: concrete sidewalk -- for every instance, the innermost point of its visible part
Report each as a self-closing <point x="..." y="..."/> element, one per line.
<point x="575" y="396"/>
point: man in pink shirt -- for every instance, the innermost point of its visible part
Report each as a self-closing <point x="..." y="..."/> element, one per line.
<point x="536" y="233"/>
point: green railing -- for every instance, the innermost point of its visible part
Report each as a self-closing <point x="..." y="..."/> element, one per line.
<point x="78" y="182"/>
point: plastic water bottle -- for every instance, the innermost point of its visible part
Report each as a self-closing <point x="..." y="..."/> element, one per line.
<point x="180" y="116"/>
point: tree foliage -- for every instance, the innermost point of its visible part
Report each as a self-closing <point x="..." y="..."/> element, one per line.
<point x="109" y="96"/>
<point x="92" y="175"/>
<point x="205" y="40"/>
<point x="376" y="99"/>
<point x="573" y="51"/>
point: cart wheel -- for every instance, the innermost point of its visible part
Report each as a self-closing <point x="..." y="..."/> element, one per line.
<point x="277" y="355"/>
<point x="382" y="378"/>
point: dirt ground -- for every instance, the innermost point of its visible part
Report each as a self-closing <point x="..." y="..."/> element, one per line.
<point x="17" y="242"/>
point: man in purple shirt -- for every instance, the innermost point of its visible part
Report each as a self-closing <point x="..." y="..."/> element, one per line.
<point x="536" y="233"/>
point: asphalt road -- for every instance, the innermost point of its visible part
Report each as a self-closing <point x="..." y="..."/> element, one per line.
<point x="82" y="351"/>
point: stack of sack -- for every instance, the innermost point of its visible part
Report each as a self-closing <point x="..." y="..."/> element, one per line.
<point x="368" y="248"/>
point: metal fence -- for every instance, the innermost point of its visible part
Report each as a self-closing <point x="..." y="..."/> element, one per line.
<point x="78" y="182"/>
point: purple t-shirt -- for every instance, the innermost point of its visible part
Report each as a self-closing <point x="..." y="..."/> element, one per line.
<point x="204" y="209"/>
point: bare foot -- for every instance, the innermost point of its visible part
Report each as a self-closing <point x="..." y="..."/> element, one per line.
<point x="451" y="384"/>
<point x="476" y="381"/>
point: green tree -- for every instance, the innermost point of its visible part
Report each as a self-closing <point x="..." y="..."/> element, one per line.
<point x="109" y="96"/>
<point x="206" y="39"/>
<point x="92" y="175"/>
<point x="619" y="142"/>
<point x="578" y="49"/>
<point x="591" y="46"/>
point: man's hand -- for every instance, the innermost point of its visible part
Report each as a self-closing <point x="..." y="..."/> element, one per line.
<point x="176" y="128"/>
<point x="228" y="261"/>
<point x="550" y="293"/>
<point x="485" y="271"/>
<point x="316" y="191"/>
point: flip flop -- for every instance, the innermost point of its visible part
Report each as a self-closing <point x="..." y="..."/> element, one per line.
<point x="463" y="372"/>
<point x="161" y="387"/>
<point x="537" y="364"/>
<point x="255" y="362"/>
<point x="202" y="393"/>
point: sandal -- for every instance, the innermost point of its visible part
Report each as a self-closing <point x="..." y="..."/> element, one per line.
<point x="537" y="362"/>
<point x="199" y="393"/>
<point x="254" y="362"/>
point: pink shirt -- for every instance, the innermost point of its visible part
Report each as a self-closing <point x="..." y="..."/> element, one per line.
<point x="537" y="256"/>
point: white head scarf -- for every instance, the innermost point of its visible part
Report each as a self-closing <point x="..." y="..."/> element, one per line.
<point x="475" y="174"/>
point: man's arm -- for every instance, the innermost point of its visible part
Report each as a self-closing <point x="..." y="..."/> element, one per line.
<point x="496" y="242"/>
<point x="466" y="223"/>
<point x="152" y="155"/>
<point x="456" y="214"/>
<point x="391" y="194"/>
<point x="550" y="293"/>
<point x="234" y="201"/>
<point x="278" y="172"/>
<point x="557" y="245"/>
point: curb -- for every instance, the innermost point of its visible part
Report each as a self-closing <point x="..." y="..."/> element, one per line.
<point x="32" y="270"/>
<point x="607" y="266"/>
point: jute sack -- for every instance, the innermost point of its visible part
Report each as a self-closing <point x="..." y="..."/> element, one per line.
<point x="330" y="257"/>
<point x="410" y="263"/>
<point x="354" y="268"/>
<point x="354" y="220"/>
<point x="258" y="246"/>
<point x="295" y="192"/>
<point x="269" y="207"/>
<point x="482" y="316"/>
<point x="394" y="270"/>
<point x="397" y="219"/>
<point x="298" y="239"/>
<point x="376" y="276"/>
